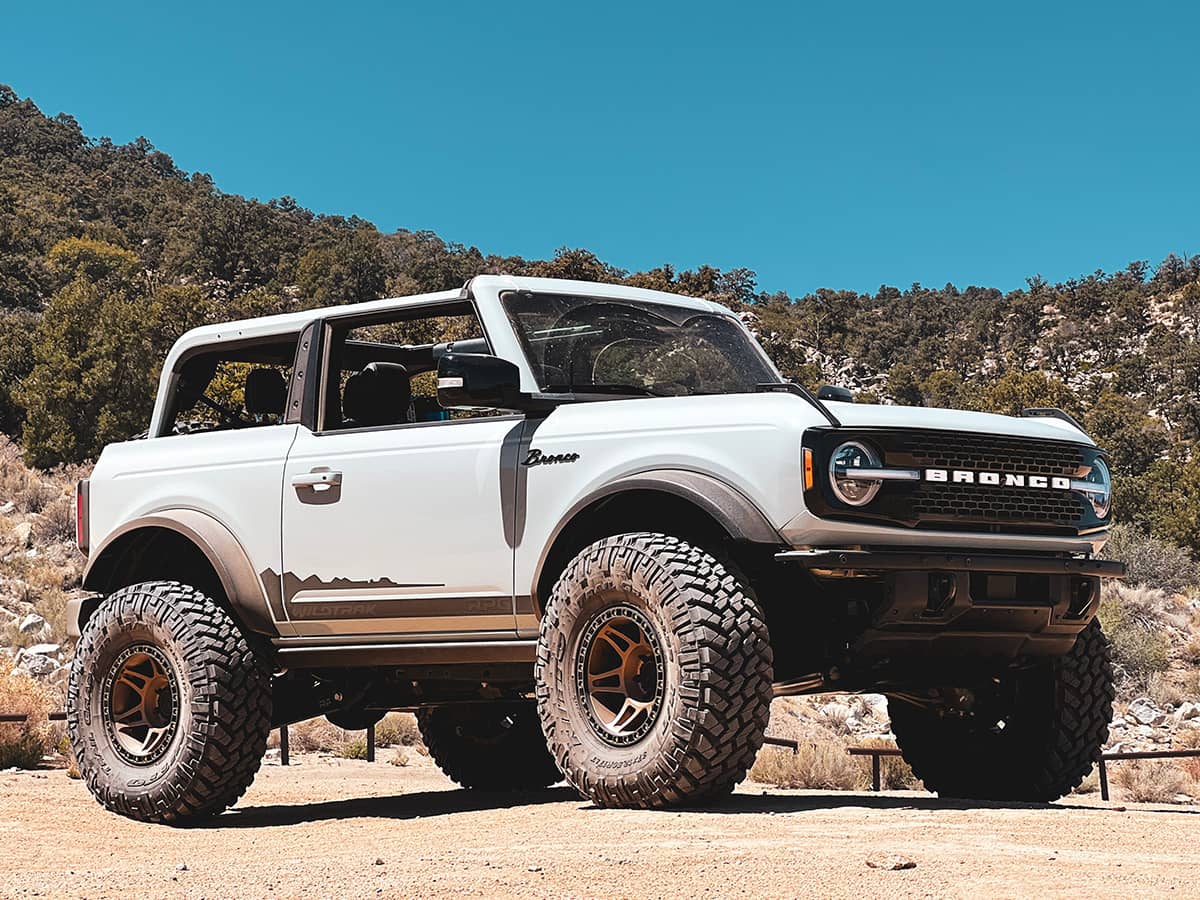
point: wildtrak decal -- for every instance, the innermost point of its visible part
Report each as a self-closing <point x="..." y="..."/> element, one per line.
<point x="537" y="458"/>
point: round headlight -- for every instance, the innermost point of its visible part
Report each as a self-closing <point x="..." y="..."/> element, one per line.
<point x="848" y="487"/>
<point x="1101" y="495"/>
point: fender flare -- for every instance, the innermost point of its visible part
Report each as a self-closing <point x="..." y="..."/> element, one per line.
<point x="241" y="584"/>
<point x="729" y="507"/>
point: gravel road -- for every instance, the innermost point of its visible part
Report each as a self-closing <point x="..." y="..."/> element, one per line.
<point x="341" y="828"/>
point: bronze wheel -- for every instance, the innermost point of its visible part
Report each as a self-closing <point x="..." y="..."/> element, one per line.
<point x="619" y="675"/>
<point x="140" y="703"/>
<point x="169" y="703"/>
<point x="653" y="673"/>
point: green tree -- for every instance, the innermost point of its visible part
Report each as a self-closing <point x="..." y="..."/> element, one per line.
<point x="92" y="375"/>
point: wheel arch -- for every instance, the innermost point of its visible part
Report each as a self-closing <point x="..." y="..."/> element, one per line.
<point x="179" y="545"/>
<point x="685" y="504"/>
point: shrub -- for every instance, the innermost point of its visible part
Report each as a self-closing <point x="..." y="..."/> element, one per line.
<point x="58" y="520"/>
<point x="1152" y="562"/>
<point x="1149" y="780"/>
<point x="315" y="736"/>
<point x="399" y="758"/>
<point x="354" y="748"/>
<point x="397" y="729"/>
<point x="1163" y="691"/>
<point x="24" y="744"/>
<point x="1135" y="623"/>
<point x="824" y="766"/>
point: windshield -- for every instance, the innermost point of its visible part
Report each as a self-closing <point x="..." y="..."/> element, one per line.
<point x="617" y="346"/>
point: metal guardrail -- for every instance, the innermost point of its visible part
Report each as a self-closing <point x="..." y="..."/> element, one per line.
<point x="877" y="754"/>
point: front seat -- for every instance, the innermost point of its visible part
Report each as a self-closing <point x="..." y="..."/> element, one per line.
<point x="381" y="394"/>
<point x="265" y="395"/>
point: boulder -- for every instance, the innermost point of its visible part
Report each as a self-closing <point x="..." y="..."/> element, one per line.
<point x="38" y="664"/>
<point x="34" y="624"/>
<point x="1144" y="712"/>
<point x="23" y="533"/>
<point x="1187" y="711"/>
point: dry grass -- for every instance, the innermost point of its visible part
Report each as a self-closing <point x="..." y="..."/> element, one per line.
<point x="321" y="736"/>
<point x="1151" y="561"/>
<point x="57" y="521"/>
<point x="399" y="758"/>
<point x="824" y="766"/>
<point x="28" y="489"/>
<point x="1163" y="690"/>
<point x="1137" y="622"/>
<point x="894" y="773"/>
<point x="312" y="736"/>
<point x="24" y="744"/>
<point x="1191" y="653"/>
<point x="1149" y="780"/>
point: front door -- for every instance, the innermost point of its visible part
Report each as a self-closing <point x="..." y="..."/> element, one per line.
<point x="399" y="531"/>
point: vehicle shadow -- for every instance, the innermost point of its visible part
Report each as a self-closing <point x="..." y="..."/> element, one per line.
<point x="742" y="804"/>
<point x="427" y="804"/>
<point x="422" y="804"/>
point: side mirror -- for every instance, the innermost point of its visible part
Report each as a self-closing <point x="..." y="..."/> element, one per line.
<point x="478" y="381"/>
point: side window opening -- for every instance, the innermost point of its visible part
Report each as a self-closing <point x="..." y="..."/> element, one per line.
<point x="383" y="371"/>
<point x="233" y="387"/>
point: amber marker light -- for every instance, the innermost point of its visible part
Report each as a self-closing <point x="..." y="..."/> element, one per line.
<point x="808" y="469"/>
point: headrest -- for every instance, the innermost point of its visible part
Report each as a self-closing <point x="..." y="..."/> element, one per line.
<point x="266" y="392"/>
<point x="378" y="395"/>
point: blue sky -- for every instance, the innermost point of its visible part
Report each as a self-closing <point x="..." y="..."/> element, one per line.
<point x="832" y="145"/>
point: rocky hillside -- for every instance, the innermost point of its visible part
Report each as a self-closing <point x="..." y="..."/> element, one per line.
<point x="40" y="566"/>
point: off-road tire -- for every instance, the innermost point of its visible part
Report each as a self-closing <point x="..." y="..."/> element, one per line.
<point x="223" y="684"/>
<point x="1053" y="736"/>
<point x="495" y="746"/>
<point x="716" y="673"/>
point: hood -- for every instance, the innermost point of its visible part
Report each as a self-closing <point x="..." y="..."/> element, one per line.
<point x="871" y="416"/>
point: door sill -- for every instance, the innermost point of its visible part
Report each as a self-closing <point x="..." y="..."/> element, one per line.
<point x="406" y="654"/>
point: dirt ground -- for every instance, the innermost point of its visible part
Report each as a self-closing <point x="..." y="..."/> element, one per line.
<point x="354" y="829"/>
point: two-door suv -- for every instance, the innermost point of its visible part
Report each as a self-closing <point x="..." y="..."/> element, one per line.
<point x="584" y="530"/>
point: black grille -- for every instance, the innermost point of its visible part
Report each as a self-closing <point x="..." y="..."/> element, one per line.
<point x="951" y="450"/>
<point x="951" y="502"/>
<point x="957" y="506"/>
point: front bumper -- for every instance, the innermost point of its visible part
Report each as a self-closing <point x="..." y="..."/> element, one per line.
<point x="898" y="561"/>
<point x="960" y="604"/>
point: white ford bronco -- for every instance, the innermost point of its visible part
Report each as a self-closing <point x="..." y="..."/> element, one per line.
<point x="583" y="530"/>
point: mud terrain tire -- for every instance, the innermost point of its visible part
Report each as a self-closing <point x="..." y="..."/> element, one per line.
<point x="689" y="646"/>
<point x="169" y="704"/>
<point x="489" y="746"/>
<point x="1055" y="724"/>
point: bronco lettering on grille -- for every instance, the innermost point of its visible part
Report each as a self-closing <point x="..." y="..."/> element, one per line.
<point x="1007" y="479"/>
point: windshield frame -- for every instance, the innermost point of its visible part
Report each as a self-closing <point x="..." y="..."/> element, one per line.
<point x="688" y="310"/>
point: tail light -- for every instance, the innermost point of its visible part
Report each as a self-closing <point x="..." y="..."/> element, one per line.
<point x="81" y="515"/>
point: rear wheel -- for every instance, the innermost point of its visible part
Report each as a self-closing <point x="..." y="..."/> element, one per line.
<point x="495" y="746"/>
<point x="1031" y="735"/>
<point x="654" y="673"/>
<point x="169" y="704"/>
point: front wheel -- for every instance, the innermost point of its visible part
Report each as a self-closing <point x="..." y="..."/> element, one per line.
<point x="654" y="673"/>
<point x="1031" y="735"/>
<point x="169" y="704"/>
